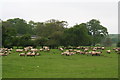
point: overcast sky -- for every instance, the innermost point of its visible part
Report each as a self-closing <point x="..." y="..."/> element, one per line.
<point x="72" y="11"/>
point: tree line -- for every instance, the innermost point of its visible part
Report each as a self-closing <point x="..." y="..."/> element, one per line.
<point x="53" y="33"/>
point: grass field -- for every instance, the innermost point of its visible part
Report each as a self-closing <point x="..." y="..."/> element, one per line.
<point x="53" y="65"/>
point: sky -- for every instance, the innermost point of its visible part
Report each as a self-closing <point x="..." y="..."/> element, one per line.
<point x="72" y="11"/>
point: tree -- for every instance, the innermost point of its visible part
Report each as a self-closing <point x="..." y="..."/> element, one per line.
<point x="8" y="34"/>
<point x="20" y="25"/>
<point x="25" y="40"/>
<point x="56" y="39"/>
<point x="41" y="41"/>
<point x="45" y="29"/>
<point x="32" y="26"/>
<point x="77" y="35"/>
<point x="96" y="30"/>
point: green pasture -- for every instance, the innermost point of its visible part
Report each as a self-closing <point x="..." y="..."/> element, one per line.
<point x="53" y="65"/>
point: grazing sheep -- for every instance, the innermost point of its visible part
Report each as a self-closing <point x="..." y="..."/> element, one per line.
<point x="9" y="52"/>
<point x="81" y="52"/>
<point x="19" y="50"/>
<point x="116" y="50"/>
<point x="34" y="50"/>
<point x="22" y="54"/>
<point x="93" y="53"/>
<point x="37" y="54"/>
<point x="102" y="48"/>
<point x="94" y="49"/>
<point x="61" y="49"/>
<point x="86" y="49"/>
<point x="78" y="51"/>
<point x="98" y="53"/>
<point x="2" y="54"/>
<point x="71" y="50"/>
<point x="33" y="54"/>
<point x="78" y="47"/>
<point x="67" y="53"/>
<point x="98" y="47"/>
<point x="41" y="49"/>
<point x="109" y="51"/>
<point x="48" y="49"/>
<point x="28" y="54"/>
<point x="62" y="53"/>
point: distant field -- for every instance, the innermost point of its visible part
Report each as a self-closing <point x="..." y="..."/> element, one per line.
<point x="53" y="65"/>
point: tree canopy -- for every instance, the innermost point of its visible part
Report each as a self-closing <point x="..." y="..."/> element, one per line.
<point x="96" y="30"/>
<point x="53" y="33"/>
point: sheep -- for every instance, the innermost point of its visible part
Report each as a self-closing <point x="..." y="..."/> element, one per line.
<point x="34" y="50"/>
<point x="45" y="47"/>
<point x="98" y="47"/>
<point x="94" y="49"/>
<point x="78" y="51"/>
<point x="67" y="53"/>
<point x="81" y="52"/>
<point x="37" y="54"/>
<point x="26" y="49"/>
<point x="109" y="51"/>
<point x="102" y="48"/>
<point x="48" y="50"/>
<point x="93" y="53"/>
<point x="5" y="52"/>
<point x="2" y="54"/>
<point x="61" y="49"/>
<point x="33" y="54"/>
<point x="98" y="53"/>
<point x="86" y="49"/>
<point x="71" y="50"/>
<point x="62" y="53"/>
<point x="19" y="50"/>
<point x="28" y="54"/>
<point x="9" y="52"/>
<point x="41" y="49"/>
<point x="116" y="50"/>
<point x="22" y="54"/>
<point x="78" y="47"/>
<point x="72" y="53"/>
<point x="90" y="52"/>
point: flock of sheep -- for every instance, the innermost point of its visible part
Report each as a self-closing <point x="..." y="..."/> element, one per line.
<point x="94" y="51"/>
<point x="30" y="51"/>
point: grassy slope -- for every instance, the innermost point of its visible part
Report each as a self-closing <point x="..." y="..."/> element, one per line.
<point x="50" y="65"/>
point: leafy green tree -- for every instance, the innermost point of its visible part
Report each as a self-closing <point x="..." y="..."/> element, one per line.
<point x="56" y="39"/>
<point x="25" y="39"/>
<point x="47" y="28"/>
<point x="31" y="27"/>
<point x="8" y="34"/>
<point x="20" y="25"/>
<point x="41" y="41"/>
<point x="77" y="35"/>
<point x="96" y="30"/>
